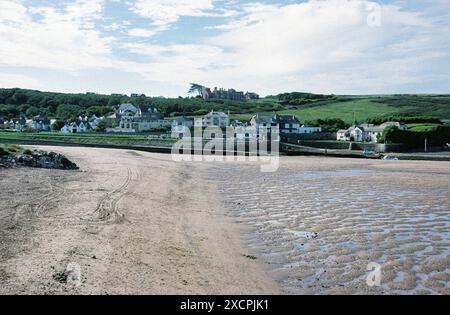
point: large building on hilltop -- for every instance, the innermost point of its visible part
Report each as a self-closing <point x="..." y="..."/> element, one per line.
<point x="230" y="94"/>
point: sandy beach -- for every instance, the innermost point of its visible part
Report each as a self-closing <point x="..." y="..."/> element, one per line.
<point x="135" y="223"/>
<point x="140" y="223"/>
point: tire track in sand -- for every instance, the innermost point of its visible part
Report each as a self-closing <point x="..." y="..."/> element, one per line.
<point x="107" y="209"/>
<point x="36" y="207"/>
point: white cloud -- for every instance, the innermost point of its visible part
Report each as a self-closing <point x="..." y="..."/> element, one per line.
<point x="166" y="12"/>
<point x="12" y="80"/>
<point x="141" y="32"/>
<point x="61" y="39"/>
<point x="319" y="46"/>
<point x="315" y="46"/>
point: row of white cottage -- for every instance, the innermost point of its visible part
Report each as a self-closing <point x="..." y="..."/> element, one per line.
<point x="24" y="124"/>
<point x="367" y="132"/>
<point x="146" y="118"/>
<point x="82" y="124"/>
<point x="258" y="125"/>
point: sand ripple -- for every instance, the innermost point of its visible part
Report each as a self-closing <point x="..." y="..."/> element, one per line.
<point x="320" y="227"/>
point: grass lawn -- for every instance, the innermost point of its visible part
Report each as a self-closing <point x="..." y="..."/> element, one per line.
<point x="89" y="138"/>
<point x="422" y="127"/>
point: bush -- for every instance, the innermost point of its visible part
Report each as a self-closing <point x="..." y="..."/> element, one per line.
<point x="412" y="139"/>
<point x="3" y="151"/>
<point x="101" y="127"/>
<point x="6" y="149"/>
<point x="329" y="125"/>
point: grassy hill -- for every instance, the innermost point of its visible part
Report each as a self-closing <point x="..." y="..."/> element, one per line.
<point x="363" y="108"/>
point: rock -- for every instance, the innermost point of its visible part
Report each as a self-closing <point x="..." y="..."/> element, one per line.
<point x="71" y="276"/>
<point x="40" y="160"/>
<point x="47" y="160"/>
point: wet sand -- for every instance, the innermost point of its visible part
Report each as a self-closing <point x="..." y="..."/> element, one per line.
<point x="319" y="223"/>
<point x="134" y="223"/>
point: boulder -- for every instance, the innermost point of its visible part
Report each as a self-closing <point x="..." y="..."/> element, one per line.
<point x="39" y="159"/>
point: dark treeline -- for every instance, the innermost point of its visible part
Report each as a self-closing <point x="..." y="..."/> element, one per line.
<point x="303" y="99"/>
<point x="30" y="103"/>
<point x="413" y="140"/>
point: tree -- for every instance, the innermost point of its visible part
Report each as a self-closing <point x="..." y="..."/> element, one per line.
<point x="99" y="110"/>
<point x="9" y="111"/>
<point x="388" y="134"/>
<point x="57" y="125"/>
<point x="66" y="111"/>
<point x="19" y="98"/>
<point x="329" y="124"/>
<point x="196" y="88"/>
<point x="32" y="111"/>
<point x="101" y="126"/>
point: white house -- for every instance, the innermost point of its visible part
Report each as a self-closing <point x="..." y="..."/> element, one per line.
<point x="263" y="125"/>
<point x="287" y="124"/>
<point x="17" y="124"/>
<point x="41" y="124"/>
<point x="397" y="124"/>
<point x="78" y="126"/>
<point x="307" y="129"/>
<point x="237" y="123"/>
<point x="343" y="135"/>
<point x="146" y="118"/>
<point x="353" y="133"/>
<point x="94" y="121"/>
<point x="180" y="126"/>
<point x="214" y="119"/>
<point x="247" y="133"/>
<point x="367" y="132"/>
<point x="144" y="124"/>
<point x="127" y="109"/>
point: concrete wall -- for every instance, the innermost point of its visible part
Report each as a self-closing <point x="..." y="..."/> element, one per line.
<point x="293" y="138"/>
<point x="335" y="145"/>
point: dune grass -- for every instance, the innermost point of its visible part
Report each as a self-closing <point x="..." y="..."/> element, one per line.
<point x="7" y="149"/>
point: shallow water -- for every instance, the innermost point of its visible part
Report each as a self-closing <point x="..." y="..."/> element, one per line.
<point x="319" y="229"/>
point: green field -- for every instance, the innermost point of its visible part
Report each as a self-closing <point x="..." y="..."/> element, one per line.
<point x="422" y="127"/>
<point x="89" y="138"/>
<point x="363" y="108"/>
<point x="359" y="110"/>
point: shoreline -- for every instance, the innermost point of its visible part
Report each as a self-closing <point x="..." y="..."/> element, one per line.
<point x="303" y="151"/>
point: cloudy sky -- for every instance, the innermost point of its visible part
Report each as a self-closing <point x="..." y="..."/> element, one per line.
<point x="158" y="47"/>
